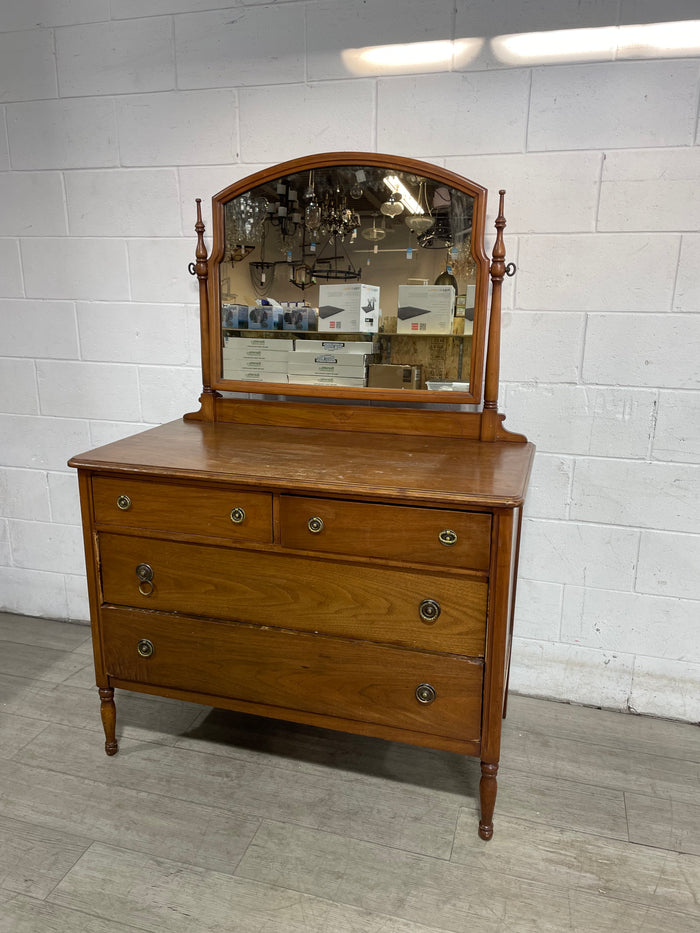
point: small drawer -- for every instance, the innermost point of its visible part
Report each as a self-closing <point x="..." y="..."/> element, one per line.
<point x="219" y="512"/>
<point x="385" y="686"/>
<point x="442" y="537"/>
<point x="426" y="610"/>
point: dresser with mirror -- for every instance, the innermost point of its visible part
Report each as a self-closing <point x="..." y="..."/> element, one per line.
<point x="332" y="537"/>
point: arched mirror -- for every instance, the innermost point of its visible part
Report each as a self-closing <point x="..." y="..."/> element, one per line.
<point x="350" y="275"/>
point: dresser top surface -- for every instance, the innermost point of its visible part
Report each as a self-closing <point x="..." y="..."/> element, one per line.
<point x="453" y="470"/>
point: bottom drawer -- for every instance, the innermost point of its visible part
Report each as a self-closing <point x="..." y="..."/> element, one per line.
<point x="297" y="671"/>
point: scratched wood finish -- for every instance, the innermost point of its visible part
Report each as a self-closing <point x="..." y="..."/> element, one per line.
<point x="323" y="675"/>
<point x="388" y="531"/>
<point x="378" y="604"/>
<point x="445" y="471"/>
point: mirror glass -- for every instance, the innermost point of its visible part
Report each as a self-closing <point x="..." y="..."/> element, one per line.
<point x="351" y="276"/>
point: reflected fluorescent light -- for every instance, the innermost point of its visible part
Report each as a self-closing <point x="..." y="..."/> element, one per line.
<point x="609" y="42"/>
<point x="412" y="56"/>
<point x="395" y="184"/>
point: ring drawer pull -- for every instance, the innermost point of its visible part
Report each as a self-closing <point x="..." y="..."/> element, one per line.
<point x="145" y="648"/>
<point x="448" y="537"/>
<point x="315" y="525"/>
<point x="237" y="515"/>
<point x="144" y="574"/>
<point x="123" y="502"/>
<point x="425" y="693"/>
<point x="429" y="610"/>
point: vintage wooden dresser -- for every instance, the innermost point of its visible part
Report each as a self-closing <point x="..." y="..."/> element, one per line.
<point x="318" y="551"/>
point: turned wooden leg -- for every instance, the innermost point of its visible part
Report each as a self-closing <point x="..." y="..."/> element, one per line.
<point x="487" y="792"/>
<point x="108" y="711"/>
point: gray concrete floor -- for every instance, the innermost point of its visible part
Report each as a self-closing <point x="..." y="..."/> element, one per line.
<point x="210" y="821"/>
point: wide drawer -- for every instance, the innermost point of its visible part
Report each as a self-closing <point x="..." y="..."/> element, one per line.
<point x="290" y="670"/>
<point x="235" y="514"/>
<point x="378" y="604"/>
<point x="442" y="537"/>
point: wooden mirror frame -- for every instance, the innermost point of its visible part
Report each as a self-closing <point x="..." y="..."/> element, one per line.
<point x="486" y="327"/>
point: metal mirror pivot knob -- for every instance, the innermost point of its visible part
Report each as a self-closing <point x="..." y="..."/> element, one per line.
<point x="145" y="648"/>
<point x="425" y="693"/>
<point x="315" y="525"/>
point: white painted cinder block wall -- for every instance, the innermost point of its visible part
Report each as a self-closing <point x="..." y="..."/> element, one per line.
<point x="115" y="115"/>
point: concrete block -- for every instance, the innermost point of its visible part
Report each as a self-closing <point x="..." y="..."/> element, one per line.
<point x="33" y="593"/>
<point x="194" y="336"/>
<point x="41" y="443"/>
<point x="662" y="496"/>
<point x="24" y="494"/>
<point x="27" y="65"/>
<point x="669" y="565"/>
<point x="541" y="347"/>
<point x="256" y="45"/>
<point x="106" y="432"/>
<point x="127" y="57"/>
<point x="449" y="114"/>
<point x="632" y="623"/>
<point x="31" y="13"/>
<point x="171" y="257"/>
<point x="76" y="390"/>
<point x="571" y="672"/>
<point x="656" y="189"/>
<point x="643" y="350"/>
<point x="75" y="268"/>
<point x="604" y="422"/>
<point x="168" y="392"/>
<point x="133" y="333"/>
<point x="538" y="610"/>
<point x="183" y="128"/>
<point x="302" y="115"/>
<point x="47" y="546"/>
<point x="549" y="492"/>
<point x="131" y="202"/>
<point x="687" y="296"/>
<point x="39" y="329"/>
<point x="5" y="556"/>
<point x="133" y="9"/>
<point x="613" y="105"/>
<point x="606" y="272"/>
<point x="579" y="554"/>
<point x="4" y="147"/>
<point x="485" y="18"/>
<point x="74" y="133"/>
<point x="18" y="393"/>
<point x="64" y="498"/>
<point x="338" y="33"/>
<point x="32" y="204"/>
<point x="77" y="604"/>
<point x="677" y="435"/>
<point x="10" y="270"/>
<point x="670" y="689"/>
<point x="546" y="192"/>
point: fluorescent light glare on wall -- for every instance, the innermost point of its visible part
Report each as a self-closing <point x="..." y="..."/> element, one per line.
<point x="650" y="40"/>
<point x="412" y="56"/>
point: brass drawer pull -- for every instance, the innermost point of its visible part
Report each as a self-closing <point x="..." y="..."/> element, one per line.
<point x="123" y="503"/>
<point x="448" y="537"/>
<point x="315" y="525"/>
<point x="425" y="693"/>
<point x="237" y="515"/>
<point x="145" y="648"/>
<point x="144" y="574"/>
<point x="429" y="610"/>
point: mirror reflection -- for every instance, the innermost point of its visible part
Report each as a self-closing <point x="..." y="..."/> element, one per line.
<point x="351" y="275"/>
